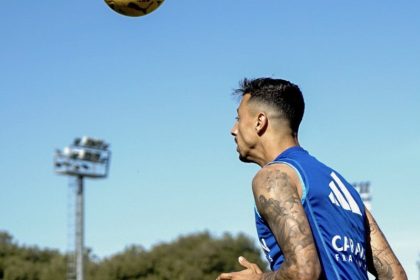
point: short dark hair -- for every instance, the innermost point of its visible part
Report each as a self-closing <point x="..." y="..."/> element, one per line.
<point x="280" y="94"/>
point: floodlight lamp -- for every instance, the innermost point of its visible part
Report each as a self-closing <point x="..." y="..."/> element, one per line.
<point x="83" y="155"/>
<point x="92" y="143"/>
<point x="89" y="155"/>
<point x="67" y="151"/>
<point x="86" y="157"/>
<point x="76" y="142"/>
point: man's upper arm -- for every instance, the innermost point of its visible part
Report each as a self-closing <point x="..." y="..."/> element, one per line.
<point x="278" y="202"/>
<point x="382" y="261"/>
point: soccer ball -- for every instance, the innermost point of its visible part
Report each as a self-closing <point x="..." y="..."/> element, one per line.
<point x="134" y="8"/>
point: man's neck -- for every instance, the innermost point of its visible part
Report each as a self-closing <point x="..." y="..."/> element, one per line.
<point x="271" y="149"/>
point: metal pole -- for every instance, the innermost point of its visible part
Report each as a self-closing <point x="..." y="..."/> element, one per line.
<point x="418" y="266"/>
<point x="79" y="229"/>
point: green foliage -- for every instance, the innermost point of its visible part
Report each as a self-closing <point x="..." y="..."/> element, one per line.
<point x="29" y="263"/>
<point x="193" y="257"/>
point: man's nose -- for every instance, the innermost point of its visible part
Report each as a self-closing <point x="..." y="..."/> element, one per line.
<point x="234" y="129"/>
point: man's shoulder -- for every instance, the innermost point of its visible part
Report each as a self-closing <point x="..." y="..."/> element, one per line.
<point x="272" y="168"/>
<point x="270" y="174"/>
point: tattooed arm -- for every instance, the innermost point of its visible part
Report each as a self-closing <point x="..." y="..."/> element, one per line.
<point x="278" y="201"/>
<point x="277" y="197"/>
<point x="382" y="261"/>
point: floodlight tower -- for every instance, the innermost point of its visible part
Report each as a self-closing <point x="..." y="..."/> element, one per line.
<point x="418" y="265"/>
<point x="86" y="157"/>
<point x="364" y="190"/>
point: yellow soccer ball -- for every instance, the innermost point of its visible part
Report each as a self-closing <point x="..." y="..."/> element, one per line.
<point x="134" y="8"/>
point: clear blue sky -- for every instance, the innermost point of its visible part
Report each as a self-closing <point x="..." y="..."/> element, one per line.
<point x="158" y="89"/>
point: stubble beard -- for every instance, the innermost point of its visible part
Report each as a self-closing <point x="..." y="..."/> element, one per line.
<point x="244" y="159"/>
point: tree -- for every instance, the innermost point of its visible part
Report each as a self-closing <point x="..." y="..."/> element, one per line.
<point x="199" y="256"/>
<point x="29" y="263"/>
<point x="193" y="257"/>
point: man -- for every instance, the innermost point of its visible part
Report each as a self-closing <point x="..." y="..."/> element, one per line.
<point x="310" y="221"/>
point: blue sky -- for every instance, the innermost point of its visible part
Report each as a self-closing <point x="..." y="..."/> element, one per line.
<point x="158" y="89"/>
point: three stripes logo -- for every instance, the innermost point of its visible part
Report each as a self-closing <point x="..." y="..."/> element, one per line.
<point x="341" y="196"/>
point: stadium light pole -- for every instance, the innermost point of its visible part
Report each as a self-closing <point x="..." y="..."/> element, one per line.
<point x="86" y="157"/>
<point x="364" y="190"/>
<point x="418" y="265"/>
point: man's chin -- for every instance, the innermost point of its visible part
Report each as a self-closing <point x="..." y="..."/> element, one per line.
<point x="244" y="159"/>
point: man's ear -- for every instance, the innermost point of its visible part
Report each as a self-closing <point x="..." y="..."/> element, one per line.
<point x="262" y="123"/>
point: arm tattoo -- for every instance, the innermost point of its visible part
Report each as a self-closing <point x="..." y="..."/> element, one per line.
<point x="280" y="205"/>
<point x="385" y="263"/>
<point x="379" y="254"/>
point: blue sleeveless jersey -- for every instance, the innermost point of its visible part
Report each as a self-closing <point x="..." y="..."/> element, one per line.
<point x="335" y="213"/>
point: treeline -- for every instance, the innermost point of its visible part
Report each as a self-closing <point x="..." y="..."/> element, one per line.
<point x="193" y="257"/>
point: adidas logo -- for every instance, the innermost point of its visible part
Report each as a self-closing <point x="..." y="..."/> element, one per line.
<point x="341" y="196"/>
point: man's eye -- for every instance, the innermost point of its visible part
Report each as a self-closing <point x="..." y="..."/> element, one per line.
<point x="237" y="118"/>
